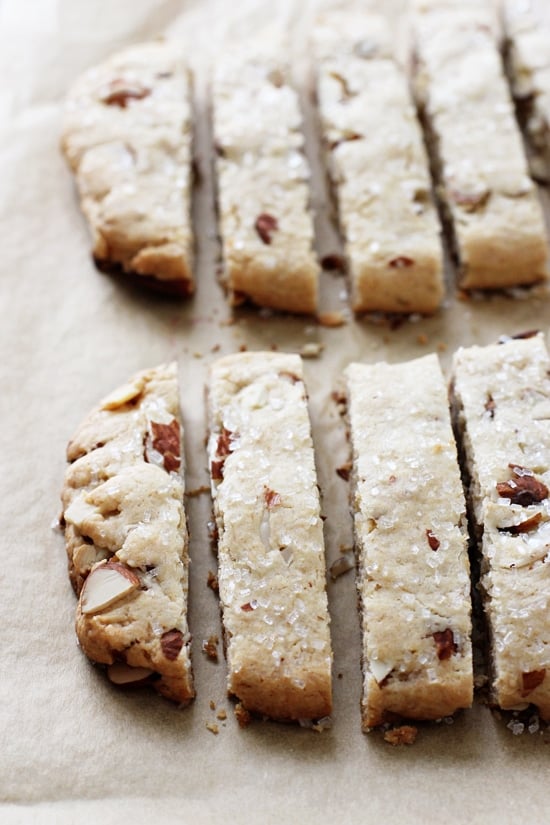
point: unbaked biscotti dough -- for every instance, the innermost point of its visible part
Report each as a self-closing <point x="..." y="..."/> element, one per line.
<point x="126" y="535"/>
<point x="127" y="138"/>
<point x="411" y="543"/>
<point x="501" y="400"/>
<point x="527" y="31"/>
<point x="378" y="167"/>
<point x="495" y="217"/>
<point x="271" y="563"/>
<point x="262" y="178"/>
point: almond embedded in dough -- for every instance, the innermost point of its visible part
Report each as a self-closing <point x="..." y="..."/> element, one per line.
<point x="106" y="584"/>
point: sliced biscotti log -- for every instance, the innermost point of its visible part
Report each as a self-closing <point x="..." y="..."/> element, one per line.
<point x="265" y="223"/>
<point x="271" y="563"/>
<point x="411" y="543"/>
<point x="127" y="137"/>
<point x="527" y="49"/>
<point x="501" y="400"/>
<point x="126" y="535"/>
<point x="494" y="215"/>
<point x="378" y="167"/>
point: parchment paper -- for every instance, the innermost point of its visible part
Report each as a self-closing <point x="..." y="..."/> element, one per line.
<point x="74" y="749"/>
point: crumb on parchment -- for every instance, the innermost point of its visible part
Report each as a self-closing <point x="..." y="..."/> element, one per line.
<point x="403" y="735"/>
<point x="242" y="716"/>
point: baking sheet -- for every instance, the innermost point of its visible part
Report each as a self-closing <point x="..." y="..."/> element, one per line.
<point x="73" y="748"/>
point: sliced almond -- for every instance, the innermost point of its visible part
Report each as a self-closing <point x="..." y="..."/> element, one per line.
<point x="380" y="669"/>
<point x="86" y="555"/>
<point x="123" y="395"/>
<point x="122" y="674"/>
<point x="106" y="584"/>
<point x="342" y="564"/>
<point x="78" y="511"/>
<point x="288" y="554"/>
<point x="541" y="411"/>
<point x="312" y="349"/>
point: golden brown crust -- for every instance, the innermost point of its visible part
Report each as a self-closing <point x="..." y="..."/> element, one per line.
<point x="514" y="254"/>
<point x="250" y="281"/>
<point x="415" y="287"/>
<point x="413" y="700"/>
<point x="280" y="698"/>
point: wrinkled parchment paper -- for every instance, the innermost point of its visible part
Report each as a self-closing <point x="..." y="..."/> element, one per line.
<point x="74" y="749"/>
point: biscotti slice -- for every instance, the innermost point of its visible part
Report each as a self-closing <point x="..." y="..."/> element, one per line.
<point x="126" y="535"/>
<point x="127" y="138"/>
<point x="501" y="398"/>
<point x="527" y="31"/>
<point x="378" y="167"/>
<point x="493" y="210"/>
<point x="265" y="223"/>
<point x="411" y="543"/>
<point x="271" y="563"/>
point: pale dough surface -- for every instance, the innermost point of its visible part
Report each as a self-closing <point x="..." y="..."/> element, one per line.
<point x="502" y="397"/>
<point x="376" y="158"/>
<point x="271" y="555"/>
<point x="266" y="224"/>
<point x="123" y="511"/>
<point x="127" y="137"/>
<point x="459" y="82"/>
<point x="411" y="537"/>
